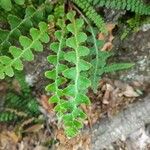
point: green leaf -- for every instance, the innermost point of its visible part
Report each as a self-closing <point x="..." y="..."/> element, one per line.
<point x="18" y="64"/>
<point x="34" y="33"/>
<point x="9" y="71"/>
<point x="28" y="55"/>
<point x="54" y="99"/>
<point x="16" y="52"/>
<point x="51" y="74"/>
<point x="44" y="38"/>
<point x="70" y="56"/>
<point x="81" y="37"/>
<point x="43" y="26"/>
<point x="14" y="21"/>
<point x="82" y="99"/>
<point x="52" y="59"/>
<point x="54" y="47"/>
<point x="118" y="66"/>
<point x="61" y="68"/>
<point x="78" y="113"/>
<point x="64" y="106"/>
<point x="6" y="4"/>
<point x="70" y="73"/>
<point x="71" y="42"/>
<point x="71" y="15"/>
<point x="83" y="51"/>
<point x="71" y="131"/>
<point x="76" y="124"/>
<point x="83" y="83"/>
<point x="5" y="60"/>
<point x="51" y="87"/>
<point x="19" y="2"/>
<point x="25" y="41"/>
<point x="37" y="46"/>
<point x="84" y="65"/>
<point x="4" y="34"/>
<point x="2" y="75"/>
<point x="69" y="90"/>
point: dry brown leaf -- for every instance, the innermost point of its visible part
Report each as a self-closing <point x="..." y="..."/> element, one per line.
<point x="106" y="96"/>
<point x="110" y="27"/>
<point x="40" y="147"/>
<point x="101" y="36"/>
<point x="8" y="136"/>
<point x="107" y="46"/>
<point x="34" y="128"/>
<point x="16" y="86"/>
<point x="45" y="104"/>
<point x="129" y="92"/>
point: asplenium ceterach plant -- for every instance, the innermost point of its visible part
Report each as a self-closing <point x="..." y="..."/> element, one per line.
<point x="69" y="47"/>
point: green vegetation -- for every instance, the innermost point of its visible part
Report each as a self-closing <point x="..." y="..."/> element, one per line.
<point x="78" y="63"/>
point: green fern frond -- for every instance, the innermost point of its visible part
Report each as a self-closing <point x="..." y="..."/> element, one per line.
<point x="8" y="64"/>
<point x="90" y="12"/>
<point x="20" y="77"/>
<point x="7" y="4"/>
<point x="137" y="6"/>
<point x="69" y="99"/>
<point x="17" y="25"/>
<point x="23" y="102"/>
<point x="7" y="116"/>
<point x="99" y="61"/>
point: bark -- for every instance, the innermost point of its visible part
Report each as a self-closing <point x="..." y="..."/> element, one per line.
<point x="123" y="124"/>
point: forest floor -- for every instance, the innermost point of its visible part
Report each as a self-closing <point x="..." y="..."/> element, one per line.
<point x="116" y="92"/>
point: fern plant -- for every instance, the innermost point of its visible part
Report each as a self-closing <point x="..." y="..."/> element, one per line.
<point x="19" y="105"/>
<point x="78" y="64"/>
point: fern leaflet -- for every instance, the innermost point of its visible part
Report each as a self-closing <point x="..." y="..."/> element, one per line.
<point x="7" y="4"/>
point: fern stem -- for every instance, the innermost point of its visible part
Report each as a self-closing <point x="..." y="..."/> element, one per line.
<point x="77" y="61"/>
<point x="57" y="65"/>
<point x="94" y="40"/>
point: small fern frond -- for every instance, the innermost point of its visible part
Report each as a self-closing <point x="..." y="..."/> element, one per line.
<point x="116" y="67"/>
<point x="8" y="64"/>
<point x="17" y="25"/>
<point x="90" y="12"/>
<point x="7" y="4"/>
<point x="68" y="99"/>
<point x="7" y="116"/>
<point x="99" y="61"/>
<point x="136" y="6"/>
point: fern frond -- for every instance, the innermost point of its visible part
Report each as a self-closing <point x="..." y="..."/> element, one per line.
<point x="17" y="25"/>
<point x="90" y="12"/>
<point x="8" y="64"/>
<point x="7" y="116"/>
<point x="69" y="99"/>
<point x="7" y="4"/>
<point x="137" y="6"/>
<point x="99" y="61"/>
